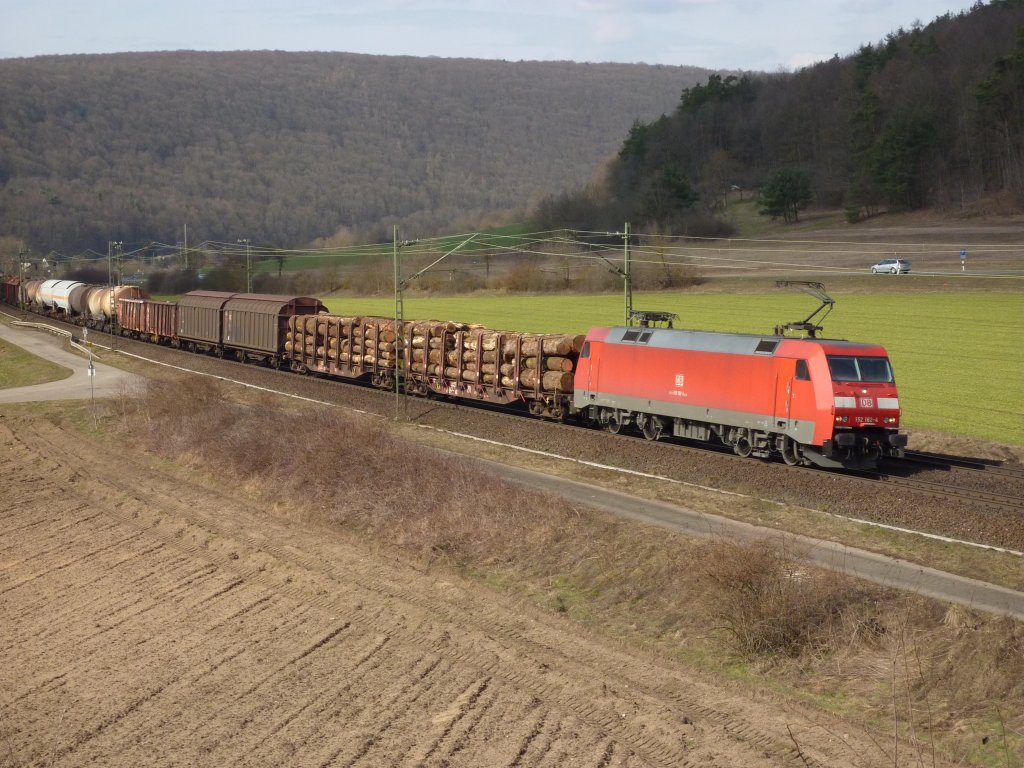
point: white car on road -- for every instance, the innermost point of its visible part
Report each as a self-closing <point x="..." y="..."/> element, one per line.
<point x="891" y="267"/>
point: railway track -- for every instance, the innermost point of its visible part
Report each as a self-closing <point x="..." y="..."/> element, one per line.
<point x="943" y="490"/>
<point x="960" y="463"/>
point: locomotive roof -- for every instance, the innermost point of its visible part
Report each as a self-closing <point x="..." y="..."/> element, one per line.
<point x="717" y="341"/>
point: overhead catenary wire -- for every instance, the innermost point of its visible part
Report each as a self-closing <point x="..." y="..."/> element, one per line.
<point x="734" y="254"/>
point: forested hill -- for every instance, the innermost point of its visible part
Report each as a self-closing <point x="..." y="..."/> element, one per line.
<point x="930" y="116"/>
<point x="285" y="147"/>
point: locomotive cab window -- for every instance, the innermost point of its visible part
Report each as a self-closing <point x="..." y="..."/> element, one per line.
<point x="803" y="373"/>
<point x="857" y="368"/>
<point x="585" y="352"/>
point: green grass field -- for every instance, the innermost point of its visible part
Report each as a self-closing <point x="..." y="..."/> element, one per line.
<point x="19" y="368"/>
<point x="958" y="357"/>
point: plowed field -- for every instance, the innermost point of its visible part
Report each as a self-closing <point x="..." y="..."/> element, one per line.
<point x="151" y="619"/>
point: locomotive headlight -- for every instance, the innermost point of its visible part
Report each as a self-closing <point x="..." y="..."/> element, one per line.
<point x="890" y="419"/>
<point x="842" y="419"/>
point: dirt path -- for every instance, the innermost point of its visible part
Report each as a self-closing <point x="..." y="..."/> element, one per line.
<point x="151" y="621"/>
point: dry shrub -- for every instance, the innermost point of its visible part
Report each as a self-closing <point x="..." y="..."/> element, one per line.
<point x="354" y="471"/>
<point x="770" y="602"/>
<point x="978" y="657"/>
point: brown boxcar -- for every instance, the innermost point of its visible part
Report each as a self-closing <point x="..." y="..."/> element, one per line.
<point x="153" y="320"/>
<point x="199" y="318"/>
<point x="258" y="323"/>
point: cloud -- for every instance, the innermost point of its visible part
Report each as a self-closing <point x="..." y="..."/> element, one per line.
<point x="646" y="7"/>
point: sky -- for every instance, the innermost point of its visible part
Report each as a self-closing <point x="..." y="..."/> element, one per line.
<point x="754" y="35"/>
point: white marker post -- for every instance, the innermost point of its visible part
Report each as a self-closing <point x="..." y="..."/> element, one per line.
<point x="92" y="382"/>
<point x="963" y="259"/>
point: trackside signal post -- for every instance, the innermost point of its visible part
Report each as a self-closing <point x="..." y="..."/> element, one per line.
<point x="963" y="259"/>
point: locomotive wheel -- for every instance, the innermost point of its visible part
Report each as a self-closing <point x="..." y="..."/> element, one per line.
<point x="791" y="452"/>
<point x="743" y="447"/>
<point x="614" y="423"/>
<point x="652" y="428"/>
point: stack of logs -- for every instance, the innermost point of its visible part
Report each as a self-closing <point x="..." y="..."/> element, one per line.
<point x="440" y="349"/>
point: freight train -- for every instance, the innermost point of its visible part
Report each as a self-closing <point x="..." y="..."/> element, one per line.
<point x="808" y="401"/>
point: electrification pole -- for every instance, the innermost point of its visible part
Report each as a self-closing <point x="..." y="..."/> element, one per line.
<point x="21" y="279"/>
<point x="400" y="284"/>
<point x="399" y="317"/>
<point x="627" y="281"/>
<point x="248" y="264"/>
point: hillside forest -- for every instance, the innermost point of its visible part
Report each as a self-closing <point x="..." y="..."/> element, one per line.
<point x="931" y="116"/>
<point x="283" y="148"/>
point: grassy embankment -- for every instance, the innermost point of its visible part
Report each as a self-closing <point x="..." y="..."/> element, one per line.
<point x="19" y="368"/>
<point x="957" y="355"/>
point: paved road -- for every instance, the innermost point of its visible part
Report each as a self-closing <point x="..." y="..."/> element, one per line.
<point x="880" y="569"/>
<point x="106" y="383"/>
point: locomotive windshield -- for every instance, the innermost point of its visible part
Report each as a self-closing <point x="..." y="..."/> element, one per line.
<point x="849" y="368"/>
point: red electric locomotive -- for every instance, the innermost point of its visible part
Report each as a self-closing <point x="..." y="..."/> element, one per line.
<point x="811" y="401"/>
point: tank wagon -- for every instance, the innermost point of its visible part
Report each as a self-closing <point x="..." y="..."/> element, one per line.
<point x="55" y="295"/>
<point x="810" y="401"/>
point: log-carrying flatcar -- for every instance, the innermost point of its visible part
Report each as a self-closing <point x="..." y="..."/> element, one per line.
<point x="812" y="401"/>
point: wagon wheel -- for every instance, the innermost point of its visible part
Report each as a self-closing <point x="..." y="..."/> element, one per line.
<point x="743" y="447"/>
